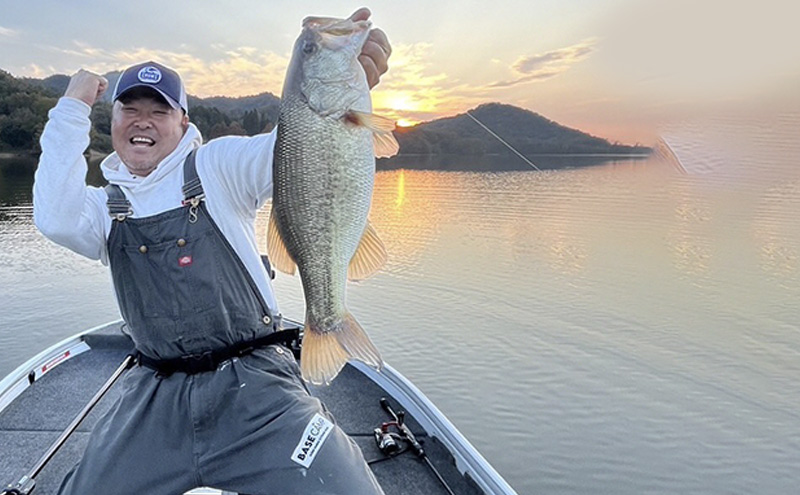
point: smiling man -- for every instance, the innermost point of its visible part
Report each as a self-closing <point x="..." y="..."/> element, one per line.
<point x="149" y="117"/>
<point x="216" y="398"/>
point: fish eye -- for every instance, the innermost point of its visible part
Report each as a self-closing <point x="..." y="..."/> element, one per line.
<point x="309" y="47"/>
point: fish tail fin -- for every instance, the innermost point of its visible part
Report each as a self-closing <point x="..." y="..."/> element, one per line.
<point x="324" y="354"/>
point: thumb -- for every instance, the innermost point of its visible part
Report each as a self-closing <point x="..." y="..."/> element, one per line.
<point x="102" y="86"/>
<point x="361" y="14"/>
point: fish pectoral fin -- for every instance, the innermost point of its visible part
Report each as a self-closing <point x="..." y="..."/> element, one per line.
<point x="324" y="354"/>
<point x="276" y="249"/>
<point x="385" y="143"/>
<point x="369" y="256"/>
<point x="376" y="123"/>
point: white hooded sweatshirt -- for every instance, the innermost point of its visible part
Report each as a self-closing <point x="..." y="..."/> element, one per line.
<point x="236" y="173"/>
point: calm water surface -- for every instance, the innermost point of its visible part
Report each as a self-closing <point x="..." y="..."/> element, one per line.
<point x="625" y="328"/>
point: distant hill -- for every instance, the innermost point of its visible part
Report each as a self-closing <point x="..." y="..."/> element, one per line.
<point x="215" y="116"/>
<point x="24" y="103"/>
<point x="525" y="131"/>
<point x="56" y="84"/>
<point x="234" y="107"/>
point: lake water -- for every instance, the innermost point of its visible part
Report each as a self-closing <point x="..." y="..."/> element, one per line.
<point x="625" y="328"/>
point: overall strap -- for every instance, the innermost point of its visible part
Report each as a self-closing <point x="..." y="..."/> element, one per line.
<point x="118" y="205"/>
<point x="192" y="188"/>
<point x="192" y="194"/>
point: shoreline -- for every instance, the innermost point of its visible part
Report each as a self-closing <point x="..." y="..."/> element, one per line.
<point x="91" y="154"/>
<point x="17" y="154"/>
<point x="497" y="155"/>
<point x="94" y="154"/>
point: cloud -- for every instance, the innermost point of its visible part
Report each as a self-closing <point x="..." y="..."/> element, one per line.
<point x="239" y="71"/>
<point x="37" y="71"/>
<point x="242" y="72"/>
<point x="8" y="32"/>
<point x="547" y="65"/>
<point x="560" y="57"/>
<point x="540" y="76"/>
<point x="410" y="89"/>
<point x="415" y="89"/>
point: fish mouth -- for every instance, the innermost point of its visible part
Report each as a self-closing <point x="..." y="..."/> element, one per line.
<point x="335" y="27"/>
<point x="142" y="141"/>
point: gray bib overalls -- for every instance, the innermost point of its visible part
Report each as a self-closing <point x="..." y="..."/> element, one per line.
<point x="183" y="291"/>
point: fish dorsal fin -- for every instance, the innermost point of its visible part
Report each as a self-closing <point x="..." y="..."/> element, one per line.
<point x="369" y="256"/>
<point x="385" y="143"/>
<point x="276" y="249"/>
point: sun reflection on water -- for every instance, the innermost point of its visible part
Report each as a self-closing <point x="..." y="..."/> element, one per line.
<point x="401" y="189"/>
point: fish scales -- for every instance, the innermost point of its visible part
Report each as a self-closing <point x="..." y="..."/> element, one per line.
<point x="324" y="171"/>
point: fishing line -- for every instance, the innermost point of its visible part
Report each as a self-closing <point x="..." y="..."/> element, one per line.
<point x="502" y="141"/>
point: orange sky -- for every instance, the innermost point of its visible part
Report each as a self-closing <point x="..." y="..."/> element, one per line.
<point x="618" y="69"/>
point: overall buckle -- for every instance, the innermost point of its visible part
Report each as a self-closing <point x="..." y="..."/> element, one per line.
<point x="198" y="363"/>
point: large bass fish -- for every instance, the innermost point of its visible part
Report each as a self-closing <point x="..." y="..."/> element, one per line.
<point x="324" y="169"/>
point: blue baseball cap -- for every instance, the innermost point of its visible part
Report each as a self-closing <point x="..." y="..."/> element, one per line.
<point x="156" y="76"/>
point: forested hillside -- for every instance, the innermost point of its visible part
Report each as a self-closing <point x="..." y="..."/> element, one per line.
<point x="24" y="104"/>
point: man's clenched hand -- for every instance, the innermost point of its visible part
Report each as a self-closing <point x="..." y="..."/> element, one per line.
<point x="86" y="86"/>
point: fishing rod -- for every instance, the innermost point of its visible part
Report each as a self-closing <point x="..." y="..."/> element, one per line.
<point x="503" y="141"/>
<point x="387" y="444"/>
<point x="27" y="483"/>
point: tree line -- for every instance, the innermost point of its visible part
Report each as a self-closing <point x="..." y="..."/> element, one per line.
<point x="23" y="112"/>
<point x="24" y="107"/>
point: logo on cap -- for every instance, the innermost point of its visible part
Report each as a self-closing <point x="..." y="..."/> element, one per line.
<point x="150" y="75"/>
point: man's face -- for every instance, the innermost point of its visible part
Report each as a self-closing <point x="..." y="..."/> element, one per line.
<point x="144" y="130"/>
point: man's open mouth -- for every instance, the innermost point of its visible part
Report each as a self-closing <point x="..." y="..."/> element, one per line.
<point x="142" y="141"/>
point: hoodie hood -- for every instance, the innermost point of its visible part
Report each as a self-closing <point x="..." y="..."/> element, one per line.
<point x="116" y="172"/>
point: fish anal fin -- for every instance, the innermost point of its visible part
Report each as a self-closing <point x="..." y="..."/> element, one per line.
<point x="276" y="249"/>
<point x="369" y="257"/>
<point x="324" y="354"/>
<point x="385" y="143"/>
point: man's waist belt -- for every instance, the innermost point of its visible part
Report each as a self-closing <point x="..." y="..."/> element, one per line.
<point x="209" y="360"/>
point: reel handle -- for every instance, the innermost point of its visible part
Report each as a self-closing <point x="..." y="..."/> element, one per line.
<point x="406" y="432"/>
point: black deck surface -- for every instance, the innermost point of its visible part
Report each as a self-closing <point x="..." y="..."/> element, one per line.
<point x="33" y="421"/>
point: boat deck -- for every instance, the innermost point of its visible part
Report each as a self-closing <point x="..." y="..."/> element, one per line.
<point x="36" y="418"/>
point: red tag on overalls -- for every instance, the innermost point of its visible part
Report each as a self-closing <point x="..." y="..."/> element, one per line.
<point x="184" y="261"/>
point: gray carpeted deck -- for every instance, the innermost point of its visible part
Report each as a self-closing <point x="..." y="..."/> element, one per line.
<point x="32" y="422"/>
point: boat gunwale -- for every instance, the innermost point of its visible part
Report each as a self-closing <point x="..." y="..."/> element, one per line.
<point x="14" y="383"/>
<point x="468" y="460"/>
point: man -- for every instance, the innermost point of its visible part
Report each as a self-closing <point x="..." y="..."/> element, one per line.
<point x="215" y="401"/>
